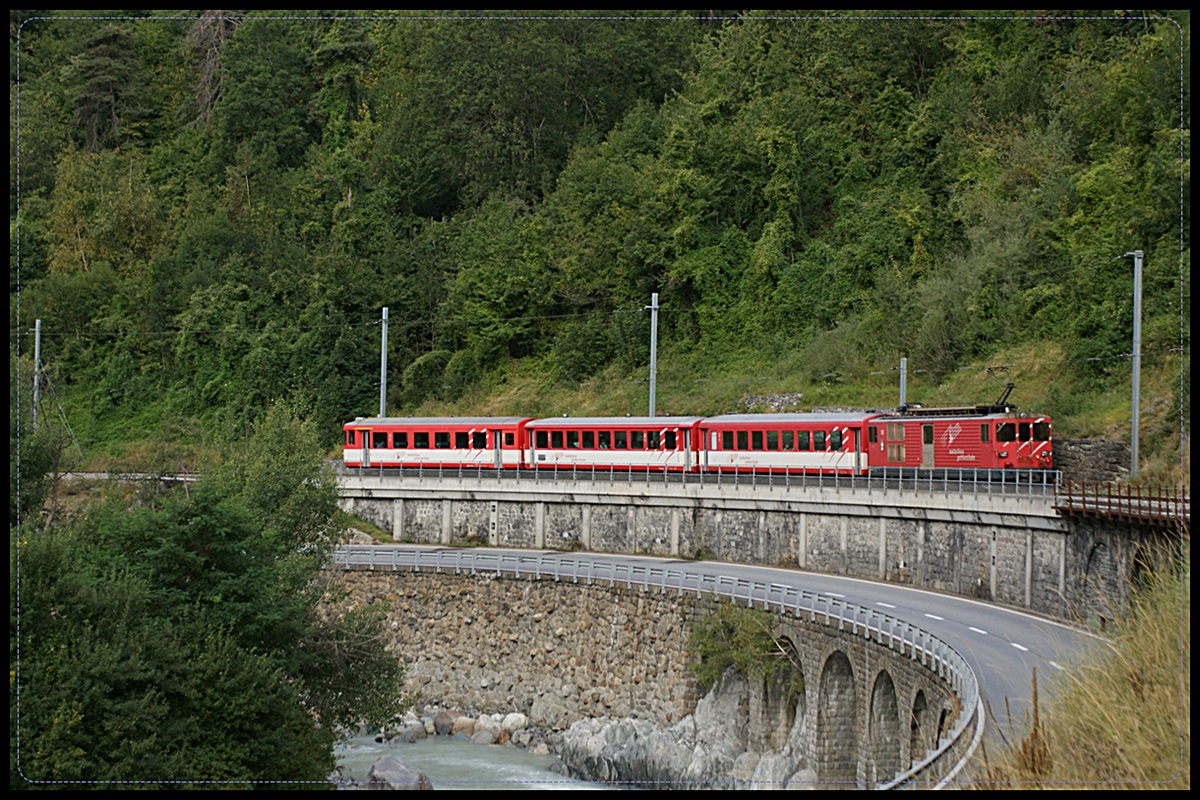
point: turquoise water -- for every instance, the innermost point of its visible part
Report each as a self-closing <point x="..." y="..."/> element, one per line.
<point x="455" y="763"/>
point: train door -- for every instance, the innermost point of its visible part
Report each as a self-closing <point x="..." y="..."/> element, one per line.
<point x="364" y="435"/>
<point x="497" y="453"/>
<point x="927" y="446"/>
<point x="858" y="461"/>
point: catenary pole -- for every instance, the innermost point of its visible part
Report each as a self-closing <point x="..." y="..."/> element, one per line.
<point x="653" y="346"/>
<point x="383" y="367"/>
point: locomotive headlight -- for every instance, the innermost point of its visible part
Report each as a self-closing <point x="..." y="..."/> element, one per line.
<point x="1003" y="454"/>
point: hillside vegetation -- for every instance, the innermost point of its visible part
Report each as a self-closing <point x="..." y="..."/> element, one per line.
<point x="215" y="209"/>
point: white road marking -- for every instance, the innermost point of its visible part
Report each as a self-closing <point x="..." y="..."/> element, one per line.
<point x="1019" y="647"/>
<point x="979" y="631"/>
<point x="934" y="616"/>
<point x="885" y="605"/>
<point x="833" y="594"/>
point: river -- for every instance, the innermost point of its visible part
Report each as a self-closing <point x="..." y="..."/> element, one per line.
<point x="453" y="762"/>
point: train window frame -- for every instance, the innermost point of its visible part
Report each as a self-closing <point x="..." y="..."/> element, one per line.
<point x="420" y="440"/>
<point x="743" y="440"/>
<point x="541" y="440"/>
<point x="819" y="441"/>
<point x="756" y="440"/>
<point x="787" y="440"/>
<point x="604" y="440"/>
<point x="637" y="440"/>
<point x="927" y="434"/>
<point x="400" y="440"/>
<point x="509" y="439"/>
<point x="620" y="440"/>
<point x="479" y="440"/>
<point x="441" y="440"/>
<point x="895" y="431"/>
<point x="1041" y="431"/>
<point x="462" y="440"/>
<point x="653" y="440"/>
<point x="896" y="453"/>
<point x="984" y="433"/>
<point x="379" y="440"/>
<point x="802" y="440"/>
<point x="670" y="440"/>
<point x="772" y="440"/>
<point x="835" y="440"/>
<point x="556" y="440"/>
<point x="872" y="434"/>
<point x="572" y="440"/>
<point x="726" y="440"/>
<point x="1006" y="432"/>
<point x="589" y="440"/>
<point x="1023" y="432"/>
<point x="350" y="438"/>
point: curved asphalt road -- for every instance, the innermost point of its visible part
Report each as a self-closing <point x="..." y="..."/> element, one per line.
<point x="1002" y="645"/>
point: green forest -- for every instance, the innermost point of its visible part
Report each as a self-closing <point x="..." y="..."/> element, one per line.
<point x="208" y="212"/>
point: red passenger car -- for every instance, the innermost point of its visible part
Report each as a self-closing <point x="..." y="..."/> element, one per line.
<point x="815" y="443"/>
<point x="480" y="442"/>
<point x="613" y="443"/>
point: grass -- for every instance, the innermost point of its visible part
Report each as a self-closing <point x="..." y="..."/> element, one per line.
<point x="1122" y="721"/>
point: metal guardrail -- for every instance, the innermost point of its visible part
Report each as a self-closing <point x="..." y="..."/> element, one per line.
<point x="901" y="637"/>
<point x="960" y="481"/>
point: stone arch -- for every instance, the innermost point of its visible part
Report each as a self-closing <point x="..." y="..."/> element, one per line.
<point x="836" y="759"/>
<point x="918" y="737"/>
<point x="884" y="730"/>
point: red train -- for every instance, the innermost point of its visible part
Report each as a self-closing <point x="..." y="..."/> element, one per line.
<point x="826" y="443"/>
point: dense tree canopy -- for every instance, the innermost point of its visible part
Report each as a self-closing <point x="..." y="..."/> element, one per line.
<point x="215" y="207"/>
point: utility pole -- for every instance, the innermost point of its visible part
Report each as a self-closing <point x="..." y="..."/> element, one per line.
<point x="383" y="367"/>
<point x="903" y="383"/>
<point x="37" y="369"/>
<point x="1137" y="359"/>
<point x="653" y="345"/>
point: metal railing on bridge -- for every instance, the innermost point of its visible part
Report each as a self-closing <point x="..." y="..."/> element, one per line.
<point x="1161" y="506"/>
<point x="897" y="635"/>
<point x="975" y="481"/>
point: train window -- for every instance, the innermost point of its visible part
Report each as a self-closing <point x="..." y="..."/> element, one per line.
<point x="669" y="440"/>
<point x="743" y="440"/>
<point x="652" y="440"/>
<point x="1023" y="431"/>
<point x="1006" y="432"/>
<point x="726" y="440"/>
<point x="872" y="434"/>
<point x="801" y="440"/>
<point x="479" y="440"/>
<point x="556" y="439"/>
<point x="541" y="439"/>
<point x="835" y="440"/>
<point x="1041" y="431"/>
<point x="379" y="440"/>
<point x="421" y="440"/>
<point x="637" y="440"/>
<point x="895" y="453"/>
<point x="605" y="440"/>
<point x="573" y="440"/>
<point x="619" y="440"/>
<point x="400" y="440"/>
<point x="927" y="434"/>
<point x="589" y="440"/>
<point x="983" y="433"/>
<point x="350" y="438"/>
<point x="756" y="440"/>
<point x="508" y="440"/>
<point x="462" y="440"/>
<point x="787" y="440"/>
<point x="772" y="440"/>
<point x="895" y="432"/>
<point x="441" y="440"/>
<point x="818" y="440"/>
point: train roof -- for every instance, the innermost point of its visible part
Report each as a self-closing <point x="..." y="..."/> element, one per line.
<point x="808" y="416"/>
<point x="934" y="414"/>
<point x="598" y="422"/>
<point x="435" y="421"/>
